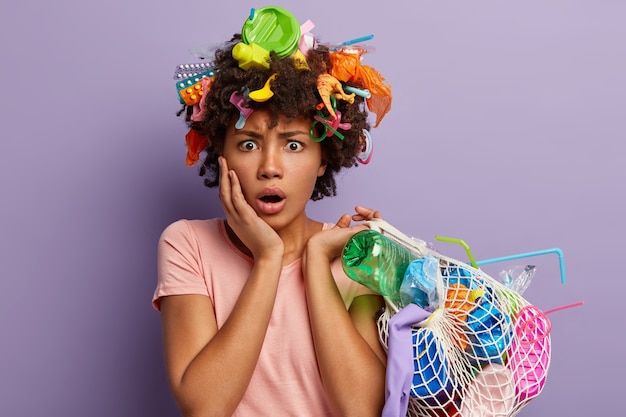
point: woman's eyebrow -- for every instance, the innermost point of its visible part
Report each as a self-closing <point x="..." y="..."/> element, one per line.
<point x="256" y="135"/>
<point x="248" y="133"/>
<point x="292" y="133"/>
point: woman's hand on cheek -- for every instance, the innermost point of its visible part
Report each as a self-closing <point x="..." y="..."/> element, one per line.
<point x="253" y="231"/>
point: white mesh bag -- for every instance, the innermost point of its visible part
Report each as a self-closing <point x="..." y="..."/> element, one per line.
<point x="483" y="350"/>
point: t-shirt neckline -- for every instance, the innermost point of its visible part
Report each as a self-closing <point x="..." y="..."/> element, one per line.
<point x="248" y="258"/>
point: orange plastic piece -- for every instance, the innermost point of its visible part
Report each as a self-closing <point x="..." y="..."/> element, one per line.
<point x="328" y="85"/>
<point x="347" y="67"/>
<point x="192" y="94"/>
<point x="460" y="300"/>
<point x="195" y="144"/>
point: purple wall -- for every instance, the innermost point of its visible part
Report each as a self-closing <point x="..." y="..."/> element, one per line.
<point x="507" y="131"/>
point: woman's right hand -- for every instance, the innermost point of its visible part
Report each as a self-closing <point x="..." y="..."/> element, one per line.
<point x="330" y="242"/>
<point x="260" y="239"/>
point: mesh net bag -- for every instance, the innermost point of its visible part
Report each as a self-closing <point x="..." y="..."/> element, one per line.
<point x="483" y="350"/>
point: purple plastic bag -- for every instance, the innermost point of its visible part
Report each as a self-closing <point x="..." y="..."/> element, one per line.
<point x="399" y="376"/>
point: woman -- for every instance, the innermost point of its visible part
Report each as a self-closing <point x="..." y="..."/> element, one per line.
<point x="258" y="316"/>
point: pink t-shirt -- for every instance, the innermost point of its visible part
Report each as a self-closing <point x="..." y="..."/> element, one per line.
<point x="197" y="257"/>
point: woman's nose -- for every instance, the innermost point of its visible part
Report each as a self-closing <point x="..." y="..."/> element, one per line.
<point x="271" y="164"/>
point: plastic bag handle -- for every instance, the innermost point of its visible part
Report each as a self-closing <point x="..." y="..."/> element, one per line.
<point x="381" y="226"/>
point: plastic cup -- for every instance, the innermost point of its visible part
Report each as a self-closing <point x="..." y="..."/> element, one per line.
<point x="274" y="29"/>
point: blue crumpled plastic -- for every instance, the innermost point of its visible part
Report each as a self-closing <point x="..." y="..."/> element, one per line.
<point x="419" y="283"/>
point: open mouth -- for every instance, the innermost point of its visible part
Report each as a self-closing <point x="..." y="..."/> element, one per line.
<point x="272" y="198"/>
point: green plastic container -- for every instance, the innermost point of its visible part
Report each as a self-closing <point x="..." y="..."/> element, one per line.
<point x="377" y="262"/>
<point x="272" y="28"/>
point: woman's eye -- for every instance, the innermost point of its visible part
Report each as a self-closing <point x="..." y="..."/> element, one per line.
<point x="248" y="145"/>
<point x="294" y="146"/>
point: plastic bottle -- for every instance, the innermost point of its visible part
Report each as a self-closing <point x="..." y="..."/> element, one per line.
<point x="251" y="55"/>
<point x="377" y="262"/>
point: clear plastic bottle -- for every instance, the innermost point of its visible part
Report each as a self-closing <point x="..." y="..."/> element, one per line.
<point x="377" y="262"/>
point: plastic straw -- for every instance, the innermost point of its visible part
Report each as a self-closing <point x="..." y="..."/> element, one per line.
<point x="357" y="40"/>
<point x="527" y="255"/>
<point x="462" y="243"/>
<point x="565" y="307"/>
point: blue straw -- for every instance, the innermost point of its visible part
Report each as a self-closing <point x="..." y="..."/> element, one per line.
<point x="527" y="255"/>
<point x="353" y="41"/>
<point x="357" y="40"/>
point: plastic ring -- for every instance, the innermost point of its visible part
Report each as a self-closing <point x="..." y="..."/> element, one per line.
<point x="365" y="156"/>
<point x="312" y="132"/>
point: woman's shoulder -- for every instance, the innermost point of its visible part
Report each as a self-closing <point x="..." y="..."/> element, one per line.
<point x="207" y="236"/>
<point x="184" y="228"/>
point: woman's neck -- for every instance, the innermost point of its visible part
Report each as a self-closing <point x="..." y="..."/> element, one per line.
<point x="294" y="238"/>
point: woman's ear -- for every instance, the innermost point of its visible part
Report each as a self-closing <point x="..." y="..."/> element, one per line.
<point x="322" y="169"/>
<point x="323" y="164"/>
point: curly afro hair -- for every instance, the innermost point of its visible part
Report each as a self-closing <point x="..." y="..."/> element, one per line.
<point x="295" y="95"/>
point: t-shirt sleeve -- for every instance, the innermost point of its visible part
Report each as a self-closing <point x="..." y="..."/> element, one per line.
<point x="179" y="267"/>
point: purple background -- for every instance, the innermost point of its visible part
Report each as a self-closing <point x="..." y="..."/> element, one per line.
<point x="506" y="131"/>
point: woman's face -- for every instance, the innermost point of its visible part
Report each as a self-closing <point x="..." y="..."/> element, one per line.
<point x="277" y="167"/>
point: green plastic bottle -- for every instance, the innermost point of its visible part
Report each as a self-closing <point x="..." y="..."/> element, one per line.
<point x="377" y="262"/>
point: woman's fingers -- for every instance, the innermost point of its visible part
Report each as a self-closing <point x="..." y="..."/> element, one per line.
<point x="225" y="193"/>
<point x="365" y="214"/>
<point x="239" y="201"/>
<point x="344" y="221"/>
<point x="231" y="194"/>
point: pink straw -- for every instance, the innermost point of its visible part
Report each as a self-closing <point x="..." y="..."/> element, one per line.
<point x="565" y="307"/>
